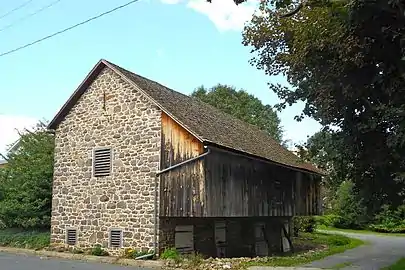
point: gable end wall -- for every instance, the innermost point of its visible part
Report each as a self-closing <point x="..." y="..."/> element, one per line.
<point x="131" y="125"/>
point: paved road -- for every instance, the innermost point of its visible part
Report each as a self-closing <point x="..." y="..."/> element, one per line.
<point x="380" y="252"/>
<point x="25" y="262"/>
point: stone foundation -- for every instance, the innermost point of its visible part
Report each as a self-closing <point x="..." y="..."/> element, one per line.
<point x="241" y="237"/>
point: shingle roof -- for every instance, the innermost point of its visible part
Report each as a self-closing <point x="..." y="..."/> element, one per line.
<point x="204" y="121"/>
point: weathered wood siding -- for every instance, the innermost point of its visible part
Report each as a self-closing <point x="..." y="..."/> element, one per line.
<point x="182" y="189"/>
<point x="308" y="194"/>
<point x="238" y="186"/>
<point x="223" y="184"/>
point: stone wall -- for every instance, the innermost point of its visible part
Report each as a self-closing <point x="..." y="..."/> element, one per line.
<point x="111" y="113"/>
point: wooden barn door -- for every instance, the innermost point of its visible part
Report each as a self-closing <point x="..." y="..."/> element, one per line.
<point x="261" y="248"/>
<point x="220" y="238"/>
<point x="183" y="238"/>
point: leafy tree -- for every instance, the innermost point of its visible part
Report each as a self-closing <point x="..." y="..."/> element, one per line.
<point x="26" y="181"/>
<point x="345" y="60"/>
<point x="242" y="105"/>
<point x="326" y="150"/>
<point x="349" y="207"/>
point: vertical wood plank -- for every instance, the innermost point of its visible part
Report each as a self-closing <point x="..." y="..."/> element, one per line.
<point x="223" y="184"/>
<point x="178" y="145"/>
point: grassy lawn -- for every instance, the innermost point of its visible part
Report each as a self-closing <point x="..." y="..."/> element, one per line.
<point x="359" y="231"/>
<point x="24" y="239"/>
<point x="327" y="244"/>
<point x="399" y="265"/>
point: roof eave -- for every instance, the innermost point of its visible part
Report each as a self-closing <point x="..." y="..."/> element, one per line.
<point x="249" y="155"/>
<point x="88" y="80"/>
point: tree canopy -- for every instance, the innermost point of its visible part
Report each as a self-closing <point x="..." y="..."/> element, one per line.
<point x="26" y="181"/>
<point x="345" y="60"/>
<point x="242" y="105"/>
<point x="325" y="149"/>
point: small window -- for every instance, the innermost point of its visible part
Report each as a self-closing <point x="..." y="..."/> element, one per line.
<point x="102" y="162"/>
<point x="116" y="238"/>
<point x="71" y="237"/>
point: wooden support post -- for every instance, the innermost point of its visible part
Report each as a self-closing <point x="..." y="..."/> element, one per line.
<point x="266" y="237"/>
<point x="287" y="235"/>
<point x="298" y="192"/>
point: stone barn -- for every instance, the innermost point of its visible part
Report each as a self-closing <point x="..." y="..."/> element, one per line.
<point x="140" y="165"/>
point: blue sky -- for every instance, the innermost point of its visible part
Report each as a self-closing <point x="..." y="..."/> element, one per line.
<point x="181" y="44"/>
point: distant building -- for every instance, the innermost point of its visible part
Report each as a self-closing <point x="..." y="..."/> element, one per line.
<point x="13" y="148"/>
<point x="3" y="163"/>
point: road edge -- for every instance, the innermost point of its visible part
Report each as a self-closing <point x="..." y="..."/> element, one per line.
<point x="86" y="258"/>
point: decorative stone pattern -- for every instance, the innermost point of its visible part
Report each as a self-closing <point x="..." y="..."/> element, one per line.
<point x="111" y="113"/>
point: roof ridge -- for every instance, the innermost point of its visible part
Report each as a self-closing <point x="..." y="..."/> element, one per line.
<point x="230" y="118"/>
<point x="143" y="77"/>
<point x="194" y="98"/>
<point x="200" y="101"/>
<point x="204" y="121"/>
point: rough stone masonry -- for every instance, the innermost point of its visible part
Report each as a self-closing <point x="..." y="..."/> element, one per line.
<point x="111" y="113"/>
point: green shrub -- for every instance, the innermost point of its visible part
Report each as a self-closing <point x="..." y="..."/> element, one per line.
<point x="349" y="209"/>
<point x="170" y="254"/>
<point x="327" y="220"/>
<point x="387" y="229"/>
<point x="389" y="220"/>
<point x="304" y="224"/>
<point x="97" y="250"/>
<point x="32" y="239"/>
<point x="2" y="225"/>
<point x="26" y="181"/>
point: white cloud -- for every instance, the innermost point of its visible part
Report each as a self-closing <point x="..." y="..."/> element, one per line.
<point x="9" y="124"/>
<point x="225" y="14"/>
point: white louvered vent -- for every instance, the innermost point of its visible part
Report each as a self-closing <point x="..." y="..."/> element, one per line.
<point x="116" y="238"/>
<point x="102" y="162"/>
<point x="71" y="237"/>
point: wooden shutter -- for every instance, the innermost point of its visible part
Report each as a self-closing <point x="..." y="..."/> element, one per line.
<point x="116" y="238"/>
<point x="102" y="162"/>
<point x="71" y="237"/>
<point x="183" y="238"/>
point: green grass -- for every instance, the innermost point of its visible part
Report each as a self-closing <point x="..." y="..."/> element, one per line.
<point x="359" y="231"/>
<point x="334" y="244"/>
<point x="32" y="239"/>
<point x="399" y="265"/>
